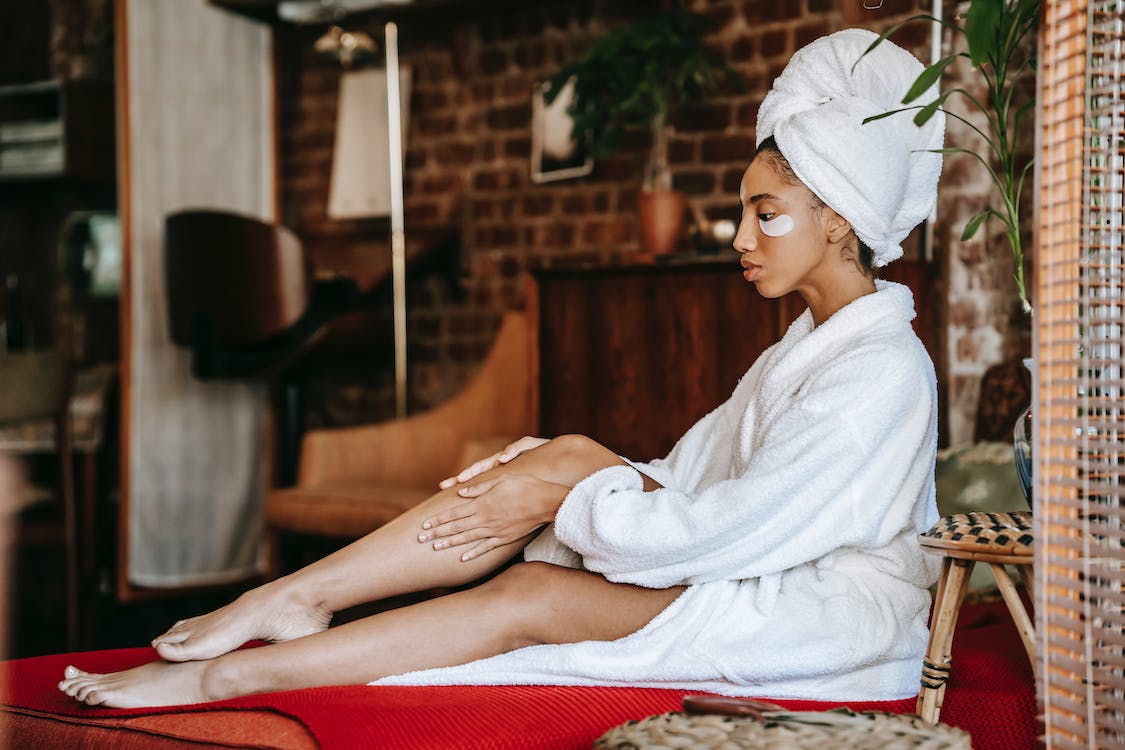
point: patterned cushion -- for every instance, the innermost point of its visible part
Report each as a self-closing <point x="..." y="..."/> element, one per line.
<point x="865" y="730"/>
<point x="992" y="533"/>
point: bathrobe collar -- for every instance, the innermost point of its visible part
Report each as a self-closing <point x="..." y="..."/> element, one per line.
<point x="796" y="356"/>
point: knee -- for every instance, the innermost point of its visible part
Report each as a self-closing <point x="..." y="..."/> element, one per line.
<point x="523" y="593"/>
<point x="521" y="582"/>
<point x="573" y="442"/>
<point x="582" y="448"/>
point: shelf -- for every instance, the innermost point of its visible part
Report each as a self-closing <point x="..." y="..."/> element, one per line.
<point x="402" y="10"/>
<point x="57" y="129"/>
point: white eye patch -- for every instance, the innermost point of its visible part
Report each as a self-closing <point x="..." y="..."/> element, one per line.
<point x="777" y="226"/>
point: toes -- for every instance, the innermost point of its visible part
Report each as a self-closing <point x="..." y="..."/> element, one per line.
<point x="93" y="697"/>
<point x="72" y="671"/>
<point x="175" y="635"/>
<point x="172" y="652"/>
<point x="71" y="687"/>
<point x="88" y="690"/>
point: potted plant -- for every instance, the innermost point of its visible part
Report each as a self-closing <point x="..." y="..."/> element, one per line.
<point x="994" y="33"/>
<point x="638" y="76"/>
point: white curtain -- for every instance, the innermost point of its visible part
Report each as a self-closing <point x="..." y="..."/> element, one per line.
<point x="200" y="134"/>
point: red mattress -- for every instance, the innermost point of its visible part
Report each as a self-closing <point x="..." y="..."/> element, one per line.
<point x="990" y="695"/>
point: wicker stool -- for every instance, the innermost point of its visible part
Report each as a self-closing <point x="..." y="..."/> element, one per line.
<point x="964" y="539"/>
<point x="791" y="730"/>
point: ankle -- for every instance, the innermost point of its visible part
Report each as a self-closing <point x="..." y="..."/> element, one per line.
<point x="308" y="594"/>
<point x="222" y="678"/>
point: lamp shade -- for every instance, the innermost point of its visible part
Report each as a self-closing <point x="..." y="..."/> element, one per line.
<point x="361" y="182"/>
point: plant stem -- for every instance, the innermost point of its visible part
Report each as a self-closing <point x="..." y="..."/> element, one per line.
<point x="657" y="174"/>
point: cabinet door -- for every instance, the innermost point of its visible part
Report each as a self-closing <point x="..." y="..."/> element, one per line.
<point x="634" y="357"/>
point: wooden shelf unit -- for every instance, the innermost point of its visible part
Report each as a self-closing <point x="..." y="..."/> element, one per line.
<point x="57" y="129"/>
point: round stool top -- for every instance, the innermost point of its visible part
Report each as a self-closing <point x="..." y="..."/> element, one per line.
<point x="792" y="730"/>
<point x="987" y="533"/>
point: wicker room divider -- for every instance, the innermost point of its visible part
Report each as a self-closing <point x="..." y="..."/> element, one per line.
<point x="1079" y="329"/>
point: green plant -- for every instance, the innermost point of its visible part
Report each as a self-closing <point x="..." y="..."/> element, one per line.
<point x="639" y="75"/>
<point x="994" y="33"/>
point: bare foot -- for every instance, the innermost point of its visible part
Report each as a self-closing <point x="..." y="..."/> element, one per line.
<point x="268" y="613"/>
<point x="155" y="684"/>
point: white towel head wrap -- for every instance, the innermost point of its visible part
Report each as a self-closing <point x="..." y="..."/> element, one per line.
<point x="878" y="176"/>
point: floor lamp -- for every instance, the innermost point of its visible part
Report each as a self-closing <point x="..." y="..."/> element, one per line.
<point x="398" y="229"/>
<point x="367" y="162"/>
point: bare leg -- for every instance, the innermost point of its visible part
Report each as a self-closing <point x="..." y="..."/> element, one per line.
<point x="387" y="562"/>
<point x="527" y="604"/>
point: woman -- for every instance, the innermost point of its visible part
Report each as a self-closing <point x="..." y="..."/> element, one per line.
<point x="773" y="552"/>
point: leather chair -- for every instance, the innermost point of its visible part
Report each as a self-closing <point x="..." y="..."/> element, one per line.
<point x="241" y="298"/>
<point x="352" y="480"/>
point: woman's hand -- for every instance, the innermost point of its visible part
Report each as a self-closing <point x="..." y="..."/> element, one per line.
<point x="495" y="512"/>
<point x="503" y="457"/>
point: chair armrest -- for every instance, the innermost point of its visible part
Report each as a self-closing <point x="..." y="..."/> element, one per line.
<point x="415" y="451"/>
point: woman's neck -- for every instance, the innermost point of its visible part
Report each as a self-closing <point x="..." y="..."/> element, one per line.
<point x="825" y="301"/>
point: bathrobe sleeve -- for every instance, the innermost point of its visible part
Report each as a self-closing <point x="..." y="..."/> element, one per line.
<point x="824" y="476"/>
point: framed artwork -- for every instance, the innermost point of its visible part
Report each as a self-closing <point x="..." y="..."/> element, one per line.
<point x="554" y="153"/>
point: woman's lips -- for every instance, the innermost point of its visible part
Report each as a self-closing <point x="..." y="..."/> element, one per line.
<point x="752" y="271"/>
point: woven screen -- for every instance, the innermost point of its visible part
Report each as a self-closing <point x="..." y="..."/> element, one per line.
<point x="1079" y="346"/>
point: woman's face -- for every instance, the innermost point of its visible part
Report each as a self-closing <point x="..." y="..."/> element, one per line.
<point x="781" y="237"/>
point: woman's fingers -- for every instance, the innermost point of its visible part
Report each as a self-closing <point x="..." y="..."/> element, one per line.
<point x="431" y="526"/>
<point x="476" y="490"/>
<point x="512" y="450"/>
<point x="487" y="545"/>
<point x="466" y="474"/>
<point x="525" y="443"/>
<point x="465" y="537"/>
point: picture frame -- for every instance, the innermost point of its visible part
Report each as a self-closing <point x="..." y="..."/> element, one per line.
<point x="554" y="153"/>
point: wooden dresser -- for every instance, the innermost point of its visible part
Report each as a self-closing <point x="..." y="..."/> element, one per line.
<point x="633" y="355"/>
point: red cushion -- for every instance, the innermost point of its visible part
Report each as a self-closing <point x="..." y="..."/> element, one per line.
<point x="991" y="695"/>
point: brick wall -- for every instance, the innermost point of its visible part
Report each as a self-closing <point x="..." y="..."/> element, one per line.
<point x="468" y="166"/>
<point x="985" y="324"/>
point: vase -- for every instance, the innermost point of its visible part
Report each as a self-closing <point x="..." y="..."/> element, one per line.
<point x="1022" y="444"/>
<point x="662" y="220"/>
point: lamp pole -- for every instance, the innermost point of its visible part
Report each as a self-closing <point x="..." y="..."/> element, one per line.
<point x="398" y="231"/>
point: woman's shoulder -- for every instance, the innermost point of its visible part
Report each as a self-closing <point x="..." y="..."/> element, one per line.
<point x="882" y="361"/>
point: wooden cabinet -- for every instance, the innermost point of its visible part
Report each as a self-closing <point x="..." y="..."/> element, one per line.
<point x="634" y="355"/>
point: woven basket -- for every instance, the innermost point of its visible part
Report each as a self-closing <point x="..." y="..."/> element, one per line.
<point x="795" y="730"/>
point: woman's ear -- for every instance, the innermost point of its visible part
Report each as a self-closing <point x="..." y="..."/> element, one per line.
<point x="838" y="228"/>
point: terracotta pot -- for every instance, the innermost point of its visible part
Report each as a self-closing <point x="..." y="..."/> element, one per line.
<point x="662" y="220"/>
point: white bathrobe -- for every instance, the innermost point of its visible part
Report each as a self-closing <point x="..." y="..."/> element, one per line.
<point x="791" y="512"/>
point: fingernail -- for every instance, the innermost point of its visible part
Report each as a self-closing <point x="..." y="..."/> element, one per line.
<point x="423" y="537"/>
<point x="439" y="545"/>
<point x="425" y="524"/>
<point x="462" y="491"/>
<point x="466" y="557"/>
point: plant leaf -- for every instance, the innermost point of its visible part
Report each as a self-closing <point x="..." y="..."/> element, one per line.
<point x="974" y="223"/>
<point x="880" y="116"/>
<point x="927" y="78"/>
<point x="980" y="28"/>
<point x="928" y="111"/>
<point x="1022" y="112"/>
<point x="898" y="26"/>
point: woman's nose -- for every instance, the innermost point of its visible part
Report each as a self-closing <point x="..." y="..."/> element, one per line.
<point x="744" y="241"/>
